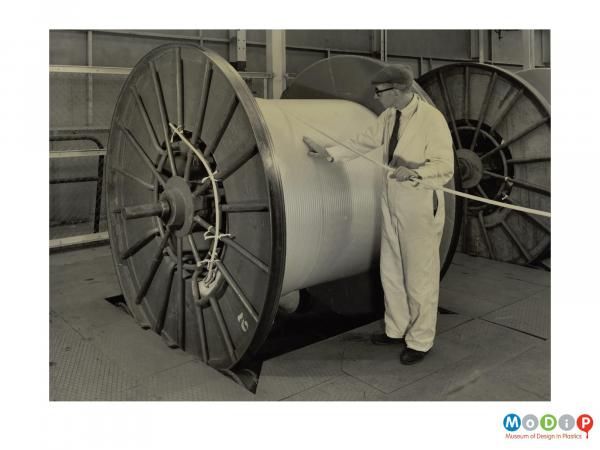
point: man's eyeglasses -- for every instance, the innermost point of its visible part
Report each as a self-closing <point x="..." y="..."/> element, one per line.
<point x="379" y="91"/>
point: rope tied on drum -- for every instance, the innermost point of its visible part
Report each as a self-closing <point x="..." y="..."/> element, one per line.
<point x="216" y="236"/>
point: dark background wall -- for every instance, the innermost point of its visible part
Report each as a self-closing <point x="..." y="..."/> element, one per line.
<point x="423" y="49"/>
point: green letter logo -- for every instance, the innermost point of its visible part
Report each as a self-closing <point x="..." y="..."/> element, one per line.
<point x="548" y="422"/>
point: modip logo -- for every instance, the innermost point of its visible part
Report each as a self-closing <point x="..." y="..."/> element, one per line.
<point x="547" y="427"/>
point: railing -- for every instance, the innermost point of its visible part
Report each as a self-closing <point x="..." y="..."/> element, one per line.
<point x="96" y="235"/>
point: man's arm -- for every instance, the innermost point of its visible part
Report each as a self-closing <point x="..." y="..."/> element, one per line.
<point x="439" y="162"/>
<point x="366" y="141"/>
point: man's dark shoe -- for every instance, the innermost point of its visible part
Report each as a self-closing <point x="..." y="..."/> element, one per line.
<point x="410" y="356"/>
<point x="384" y="339"/>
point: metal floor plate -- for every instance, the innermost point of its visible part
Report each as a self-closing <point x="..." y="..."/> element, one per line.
<point x="487" y="347"/>
<point x="531" y="315"/>
<point x="79" y="371"/>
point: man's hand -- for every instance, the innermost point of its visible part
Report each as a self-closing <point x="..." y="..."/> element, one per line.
<point x="316" y="150"/>
<point x="404" y="174"/>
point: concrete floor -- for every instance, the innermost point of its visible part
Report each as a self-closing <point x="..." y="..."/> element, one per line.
<point x="493" y="344"/>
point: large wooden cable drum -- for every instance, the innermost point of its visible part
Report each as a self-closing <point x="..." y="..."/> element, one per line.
<point x="215" y="209"/>
<point x="500" y="125"/>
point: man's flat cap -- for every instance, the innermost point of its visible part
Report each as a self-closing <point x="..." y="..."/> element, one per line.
<point x="395" y="73"/>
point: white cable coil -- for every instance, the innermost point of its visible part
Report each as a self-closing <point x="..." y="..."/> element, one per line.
<point x="332" y="211"/>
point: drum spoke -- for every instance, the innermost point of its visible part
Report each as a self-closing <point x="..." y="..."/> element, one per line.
<point x="164" y="305"/>
<point x="222" y="175"/>
<point x="222" y="327"/>
<point x="160" y="98"/>
<point x="442" y="82"/>
<point x="203" y="223"/>
<point x="202" y="188"/>
<point x="188" y="166"/>
<point x="212" y="194"/>
<point x="144" y="113"/>
<point x="507" y="109"/>
<point x="466" y="99"/>
<point x="161" y="162"/>
<point x="138" y="245"/>
<point x="246" y="253"/>
<point x="158" y="257"/>
<point x="485" y="235"/>
<point x="484" y="107"/>
<point x="179" y="86"/>
<point x="524" y="184"/>
<point x="516" y="240"/>
<point x="531" y="217"/>
<point x="144" y="156"/>
<point x="510" y="141"/>
<point x="208" y="72"/>
<point x="133" y="177"/>
<point x="528" y="160"/>
<point x="201" y="332"/>
<point x="194" y="248"/>
<point x="181" y="315"/>
<point x="237" y="290"/>
<point x="223" y="128"/>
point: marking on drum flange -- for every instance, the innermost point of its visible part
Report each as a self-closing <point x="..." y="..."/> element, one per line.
<point x="243" y="322"/>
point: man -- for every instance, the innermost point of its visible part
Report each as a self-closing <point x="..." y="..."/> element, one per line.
<point x="415" y="140"/>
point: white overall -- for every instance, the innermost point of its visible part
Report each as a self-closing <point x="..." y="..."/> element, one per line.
<point x="411" y="233"/>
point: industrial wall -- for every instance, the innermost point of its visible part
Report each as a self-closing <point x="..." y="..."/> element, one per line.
<point x="85" y="102"/>
<point x="423" y="49"/>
